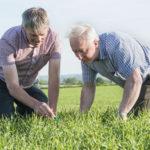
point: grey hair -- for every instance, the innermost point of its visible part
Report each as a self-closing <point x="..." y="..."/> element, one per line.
<point x="83" y="31"/>
<point x="35" y="18"/>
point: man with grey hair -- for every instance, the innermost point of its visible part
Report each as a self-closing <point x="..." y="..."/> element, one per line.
<point x="24" y="50"/>
<point x="117" y="56"/>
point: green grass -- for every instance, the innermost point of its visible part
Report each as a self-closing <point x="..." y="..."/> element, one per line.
<point x="98" y="129"/>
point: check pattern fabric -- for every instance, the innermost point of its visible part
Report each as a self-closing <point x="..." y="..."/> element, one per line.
<point x="15" y="50"/>
<point x="119" y="55"/>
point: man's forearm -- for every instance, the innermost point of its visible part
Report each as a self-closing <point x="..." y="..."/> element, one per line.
<point x="20" y="94"/>
<point x="130" y="96"/>
<point x="53" y="83"/>
<point x="87" y="97"/>
<point x="53" y="93"/>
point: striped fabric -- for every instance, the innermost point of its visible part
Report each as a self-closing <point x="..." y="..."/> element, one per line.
<point x="119" y="55"/>
<point x="15" y="49"/>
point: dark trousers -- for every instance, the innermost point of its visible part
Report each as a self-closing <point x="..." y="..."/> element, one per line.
<point x="7" y="101"/>
<point x="143" y="102"/>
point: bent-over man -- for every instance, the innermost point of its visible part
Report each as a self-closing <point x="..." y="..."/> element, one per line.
<point x="115" y="55"/>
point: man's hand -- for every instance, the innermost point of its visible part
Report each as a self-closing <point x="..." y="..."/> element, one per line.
<point x="12" y="82"/>
<point x="123" y="116"/>
<point x="43" y="109"/>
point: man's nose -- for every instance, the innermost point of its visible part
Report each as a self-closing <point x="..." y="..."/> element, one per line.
<point x="38" y="39"/>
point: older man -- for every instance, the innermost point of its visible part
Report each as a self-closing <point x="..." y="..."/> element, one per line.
<point x="117" y="56"/>
<point x="24" y="50"/>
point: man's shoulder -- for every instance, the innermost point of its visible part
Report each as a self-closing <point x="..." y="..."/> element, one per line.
<point x="12" y="33"/>
<point x="53" y="39"/>
<point x="110" y="39"/>
<point x="114" y="34"/>
<point x="52" y="33"/>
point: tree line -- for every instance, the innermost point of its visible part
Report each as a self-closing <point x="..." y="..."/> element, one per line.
<point x="75" y="81"/>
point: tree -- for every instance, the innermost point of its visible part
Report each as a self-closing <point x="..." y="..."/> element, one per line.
<point x="71" y="81"/>
<point x="43" y="82"/>
<point x="100" y="80"/>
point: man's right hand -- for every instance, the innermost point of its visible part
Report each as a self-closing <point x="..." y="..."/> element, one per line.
<point x="43" y="109"/>
<point x="123" y="116"/>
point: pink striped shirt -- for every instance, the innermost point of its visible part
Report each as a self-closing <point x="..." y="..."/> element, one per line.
<point x="15" y="49"/>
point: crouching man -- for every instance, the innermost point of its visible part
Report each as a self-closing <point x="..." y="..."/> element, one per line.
<point x="24" y="50"/>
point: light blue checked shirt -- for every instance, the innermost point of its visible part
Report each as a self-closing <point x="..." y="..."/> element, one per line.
<point x="119" y="55"/>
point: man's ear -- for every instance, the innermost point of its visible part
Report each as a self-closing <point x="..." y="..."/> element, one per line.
<point x="96" y="42"/>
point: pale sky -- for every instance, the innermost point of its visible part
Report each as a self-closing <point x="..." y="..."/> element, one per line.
<point x="130" y="16"/>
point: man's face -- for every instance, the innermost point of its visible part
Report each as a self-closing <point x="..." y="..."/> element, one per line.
<point x="84" y="51"/>
<point x="36" y="38"/>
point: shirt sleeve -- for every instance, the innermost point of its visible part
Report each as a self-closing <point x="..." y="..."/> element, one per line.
<point x="88" y="74"/>
<point x="6" y="53"/>
<point x="56" y="54"/>
<point x="127" y="57"/>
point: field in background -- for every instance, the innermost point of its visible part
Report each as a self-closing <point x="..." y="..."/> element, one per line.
<point x="98" y="129"/>
<point x="105" y="96"/>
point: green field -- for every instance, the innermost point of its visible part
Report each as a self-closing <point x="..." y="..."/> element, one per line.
<point x="98" y="129"/>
